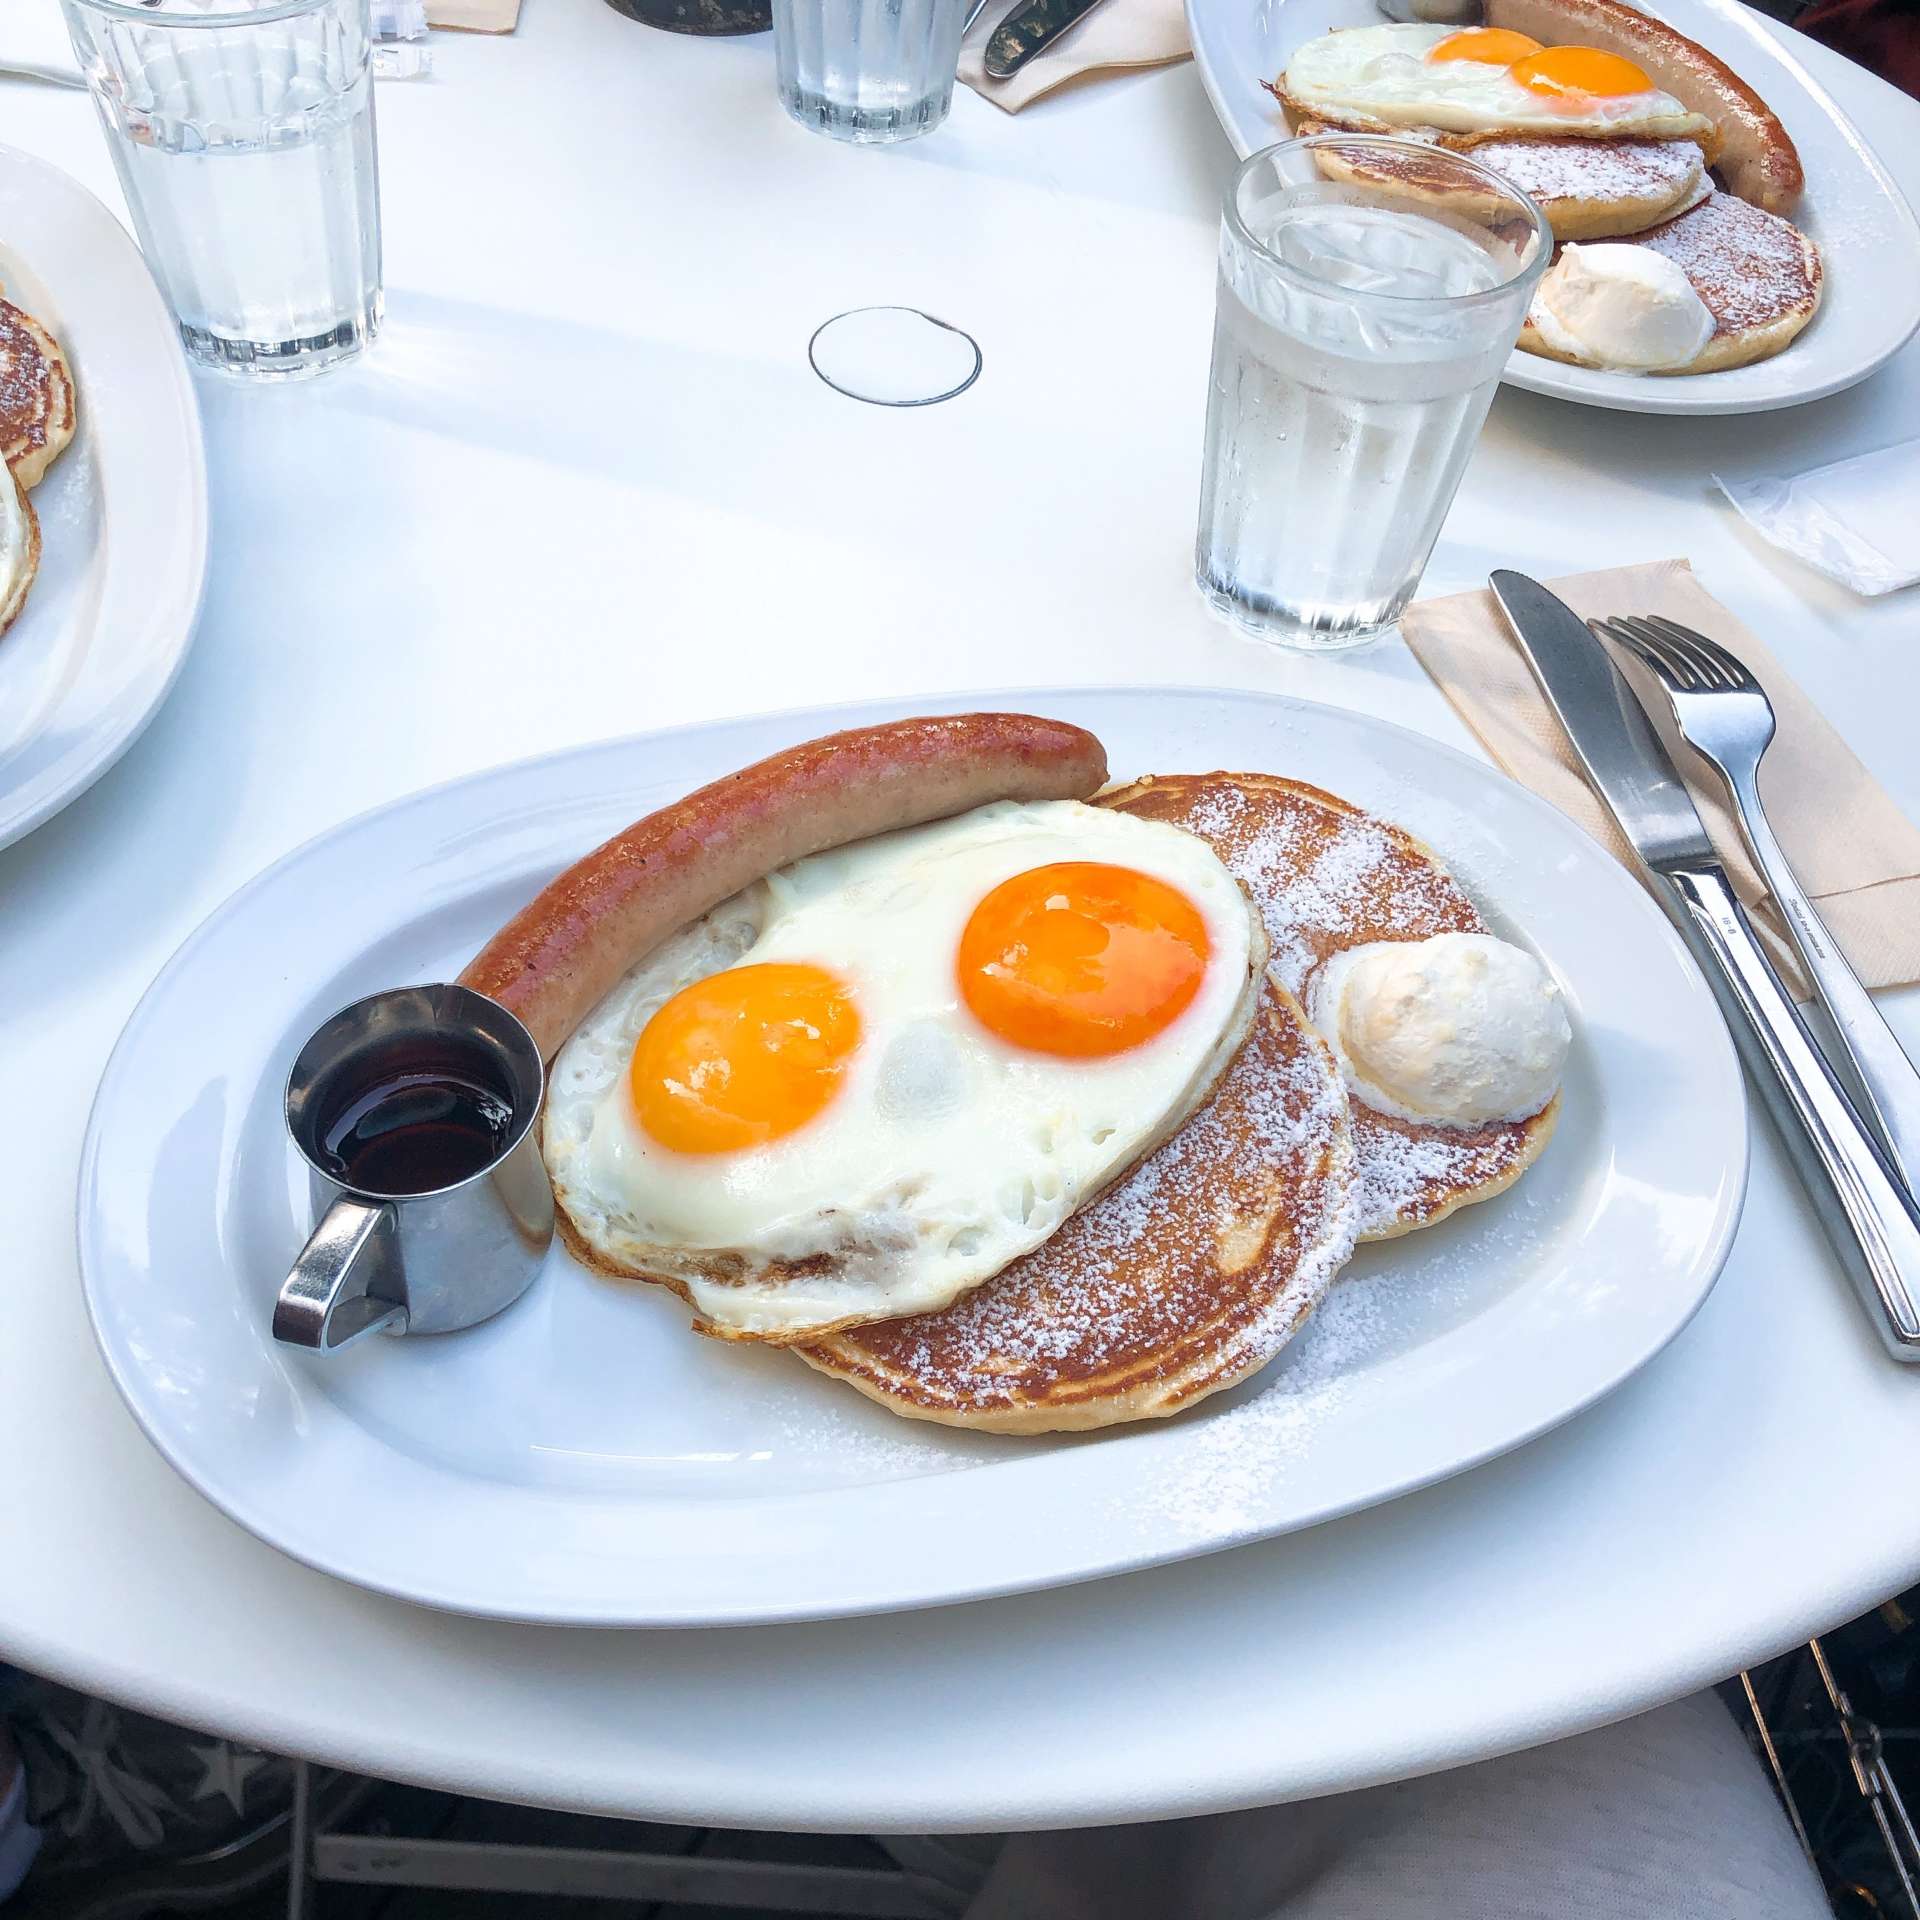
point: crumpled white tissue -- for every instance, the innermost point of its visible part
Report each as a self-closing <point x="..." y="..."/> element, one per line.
<point x="1855" y="521"/>
<point x="400" y="39"/>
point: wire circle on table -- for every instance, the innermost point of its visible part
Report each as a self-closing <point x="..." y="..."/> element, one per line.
<point x="897" y="342"/>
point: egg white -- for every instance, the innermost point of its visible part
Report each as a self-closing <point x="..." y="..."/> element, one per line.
<point x="1383" y="74"/>
<point x="947" y="1152"/>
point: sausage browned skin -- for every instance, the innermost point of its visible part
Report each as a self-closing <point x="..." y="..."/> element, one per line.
<point x="556" y="958"/>
<point x="1755" y="158"/>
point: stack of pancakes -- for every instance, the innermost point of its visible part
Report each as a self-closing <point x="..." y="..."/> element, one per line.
<point x="1713" y="201"/>
<point x="1191" y="1273"/>
<point x="37" y="417"/>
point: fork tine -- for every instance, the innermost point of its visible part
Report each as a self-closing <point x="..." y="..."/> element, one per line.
<point x="1693" y="673"/>
<point x="1674" y="670"/>
<point x="1727" y="669"/>
<point x="1684" y="645"/>
<point x="1615" y="631"/>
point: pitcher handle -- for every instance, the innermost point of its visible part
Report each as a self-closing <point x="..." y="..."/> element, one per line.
<point x="346" y="1282"/>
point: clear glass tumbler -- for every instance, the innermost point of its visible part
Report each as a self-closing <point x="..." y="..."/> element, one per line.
<point x="242" y="131"/>
<point x="872" y="71"/>
<point x="1370" y="292"/>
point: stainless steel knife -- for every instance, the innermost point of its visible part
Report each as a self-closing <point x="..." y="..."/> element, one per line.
<point x="1028" y="29"/>
<point x="1868" y="1215"/>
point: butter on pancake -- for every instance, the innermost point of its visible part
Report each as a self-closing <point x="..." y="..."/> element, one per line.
<point x="1186" y="1278"/>
<point x="1758" y="275"/>
<point x="1329" y="877"/>
<point x="37" y="403"/>
<point x="1586" y="189"/>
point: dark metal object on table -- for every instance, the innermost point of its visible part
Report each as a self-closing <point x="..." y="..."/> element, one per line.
<point x="621" y="1874"/>
<point x="1028" y="30"/>
<point x="1876" y="1783"/>
<point x="1724" y="714"/>
<point x="1869" y="1217"/>
<point x="699" y="16"/>
<point x="1811" y="1737"/>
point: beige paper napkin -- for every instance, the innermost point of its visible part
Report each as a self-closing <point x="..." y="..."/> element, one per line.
<point x="1115" y="35"/>
<point x="1854" y="851"/>
<point x="474" y="16"/>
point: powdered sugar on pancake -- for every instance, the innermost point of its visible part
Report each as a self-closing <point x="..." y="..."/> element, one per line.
<point x="1209" y="1256"/>
<point x="1750" y="267"/>
<point x="1553" y="171"/>
<point x="1327" y="877"/>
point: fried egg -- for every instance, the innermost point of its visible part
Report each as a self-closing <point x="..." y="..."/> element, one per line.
<point x="1480" y="80"/>
<point x="867" y="1083"/>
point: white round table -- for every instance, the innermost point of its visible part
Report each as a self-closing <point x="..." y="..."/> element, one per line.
<point x="587" y="485"/>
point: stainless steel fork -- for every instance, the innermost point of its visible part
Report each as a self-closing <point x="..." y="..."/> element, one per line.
<point x="1723" y="712"/>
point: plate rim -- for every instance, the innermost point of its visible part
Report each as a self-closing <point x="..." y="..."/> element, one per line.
<point x="1702" y="1272"/>
<point x="1532" y="373"/>
<point x="141" y="690"/>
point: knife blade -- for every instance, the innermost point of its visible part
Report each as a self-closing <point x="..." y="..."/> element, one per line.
<point x="1609" y="729"/>
<point x="1028" y="30"/>
<point x="1869" y="1217"/>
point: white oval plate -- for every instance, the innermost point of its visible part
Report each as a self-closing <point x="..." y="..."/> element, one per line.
<point x="1851" y="209"/>
<point x="583" y="1459"/>
<point x="123" y="512"/>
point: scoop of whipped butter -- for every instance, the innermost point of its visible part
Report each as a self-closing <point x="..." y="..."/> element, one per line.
<point x="1627" y="308"/>
<point x="1458" y="1030"/>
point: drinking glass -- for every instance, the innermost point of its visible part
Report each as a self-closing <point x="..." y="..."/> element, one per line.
<point x="1370" y="291"/>
<point x="871" y="71"/>
<point x="242" y="131"/>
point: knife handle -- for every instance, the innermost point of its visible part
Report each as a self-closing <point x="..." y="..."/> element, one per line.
<point x="1868" y="1215"/>
<point x="1872" y="1066"/>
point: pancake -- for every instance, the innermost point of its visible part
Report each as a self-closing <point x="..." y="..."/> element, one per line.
<point x="1328" y="876"/>
<point x="1185" y="1278"/>
<point x="19" y="549"/>
<point x="37" y="407"/>
<point x="1587" y="189"/>
<point x="1758" y="274"/>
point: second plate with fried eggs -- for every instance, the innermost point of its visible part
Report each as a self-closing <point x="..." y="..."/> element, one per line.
<point x="867" y="1083"/>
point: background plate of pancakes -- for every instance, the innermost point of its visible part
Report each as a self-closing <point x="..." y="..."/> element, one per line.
<point x="123" y="511"/>
<point x="1866" y="233"/>
<point x="581" y="1459"/>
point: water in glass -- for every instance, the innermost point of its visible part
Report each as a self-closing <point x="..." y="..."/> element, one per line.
<point x="1338" y="427"/>
<point x="248" y="159"/>
<point x="870" y="71"/>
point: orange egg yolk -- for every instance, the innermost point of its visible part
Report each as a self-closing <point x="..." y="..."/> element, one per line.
<point x="1497" y="46"/>
<point x="1580" y="72"/>
<point x="743" y="1057"/>
<point x="1082" y="959"/>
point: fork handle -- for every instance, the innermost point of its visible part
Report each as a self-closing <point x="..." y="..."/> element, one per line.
<point x="1868" y="1215"/>
<point x="1874" y="1069"/>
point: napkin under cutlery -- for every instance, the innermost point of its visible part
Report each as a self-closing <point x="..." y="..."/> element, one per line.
<point x="1115" y="35"/>
<point x="1856" y="853"/>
